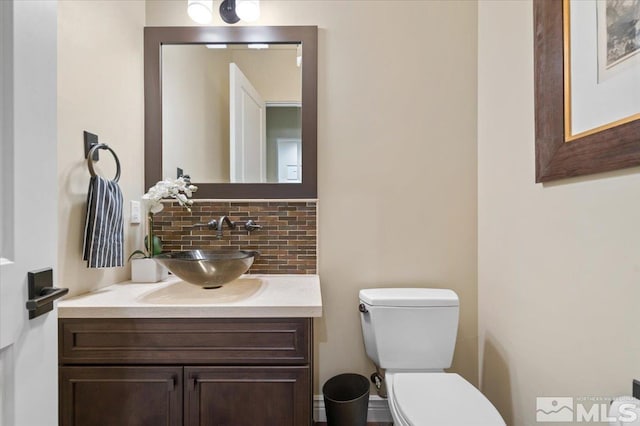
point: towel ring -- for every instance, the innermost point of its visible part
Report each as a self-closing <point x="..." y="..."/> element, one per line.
<point x="90" y="160"/>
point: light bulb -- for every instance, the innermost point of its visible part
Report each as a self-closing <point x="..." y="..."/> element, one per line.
<point x="200" y="10"/>
<point x="248" y="10"/>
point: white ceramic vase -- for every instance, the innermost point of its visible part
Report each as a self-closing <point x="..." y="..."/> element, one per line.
<point x="147" y="271"/>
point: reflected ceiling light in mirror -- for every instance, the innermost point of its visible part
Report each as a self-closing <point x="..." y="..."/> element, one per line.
<point x="201" y="11"/>
<point x="299" y="56"/>
<point x="216" y="46"/>
<point x="248" y="10"/>
<point x="258" y="46"/>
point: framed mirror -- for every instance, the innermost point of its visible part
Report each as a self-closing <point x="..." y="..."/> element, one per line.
<point x="234" y="108"/>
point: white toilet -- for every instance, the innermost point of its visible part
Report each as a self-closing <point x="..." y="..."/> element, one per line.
<point x="411" y="333"/>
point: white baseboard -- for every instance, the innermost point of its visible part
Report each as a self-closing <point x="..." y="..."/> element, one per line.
<point x="378" y="409"/>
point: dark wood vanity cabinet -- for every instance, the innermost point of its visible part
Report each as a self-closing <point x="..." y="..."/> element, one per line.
<point x="195" y="372"/>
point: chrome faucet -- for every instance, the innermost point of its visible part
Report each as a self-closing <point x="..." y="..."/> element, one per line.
<point x="221" y="222"/>
<point x="211" y="225"/>
<point x="217" y="225"/>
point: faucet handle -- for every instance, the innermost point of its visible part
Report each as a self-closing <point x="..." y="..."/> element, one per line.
<point x="250" y="225"/>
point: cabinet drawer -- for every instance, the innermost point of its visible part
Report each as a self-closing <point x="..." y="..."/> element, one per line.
<point x="229" y="341"/>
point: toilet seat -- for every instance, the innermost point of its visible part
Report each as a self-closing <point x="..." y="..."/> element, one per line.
<point x="443" y="399"/>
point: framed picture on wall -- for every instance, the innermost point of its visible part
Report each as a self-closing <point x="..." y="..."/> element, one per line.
<point x="587" y="86"/>
<point x="618" y="38"/>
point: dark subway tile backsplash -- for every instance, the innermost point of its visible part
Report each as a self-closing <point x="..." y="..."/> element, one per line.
<point x="287" y="241"/>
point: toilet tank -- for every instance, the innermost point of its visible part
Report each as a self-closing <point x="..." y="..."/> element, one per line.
<point x="409" y="328"/>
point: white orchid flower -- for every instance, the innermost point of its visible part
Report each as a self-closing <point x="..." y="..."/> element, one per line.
<point x="177" y="189"/>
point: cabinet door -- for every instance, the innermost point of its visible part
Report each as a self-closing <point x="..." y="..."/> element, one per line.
<point x="247" y="396"/>
<point x="118" y="396"/>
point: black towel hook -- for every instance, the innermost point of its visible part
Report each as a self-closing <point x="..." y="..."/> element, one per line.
<point x="90" y="159"/>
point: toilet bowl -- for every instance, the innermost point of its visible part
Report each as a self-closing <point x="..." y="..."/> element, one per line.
<point x="422" y="399"/>
<point x="411" y="333"/>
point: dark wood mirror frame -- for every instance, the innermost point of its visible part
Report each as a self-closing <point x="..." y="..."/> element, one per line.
<point x="612" y="149"/>
<point x="155" y="37"/>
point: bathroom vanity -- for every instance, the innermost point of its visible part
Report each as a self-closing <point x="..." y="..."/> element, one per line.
<point x="242" y="355"/>
<point x="174" y="354"/>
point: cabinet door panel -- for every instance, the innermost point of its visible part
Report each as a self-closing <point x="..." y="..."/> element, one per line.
<point x="247" y="396"/>
<point x="117" y="396"/>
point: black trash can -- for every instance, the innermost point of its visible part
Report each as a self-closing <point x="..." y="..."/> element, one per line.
<point x="346" y="400"/>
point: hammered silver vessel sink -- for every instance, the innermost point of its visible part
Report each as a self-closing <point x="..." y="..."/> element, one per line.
<point x="208" y="268"/>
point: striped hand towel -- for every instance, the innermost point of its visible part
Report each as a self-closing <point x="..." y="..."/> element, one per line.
<point x="104" y="228"/>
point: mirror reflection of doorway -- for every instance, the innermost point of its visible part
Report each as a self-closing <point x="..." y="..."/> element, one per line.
<point x="289" y="161"/>
<point x="214" y="102"/>
<point x="284" y="146"/>
<point x="258" y="126"/>
<point x="247" y="129"/>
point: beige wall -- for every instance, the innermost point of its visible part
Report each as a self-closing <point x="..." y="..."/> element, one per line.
<point x="100" y="89"/>
<point x="559" y="267"/>
<point x="397" y="157"/>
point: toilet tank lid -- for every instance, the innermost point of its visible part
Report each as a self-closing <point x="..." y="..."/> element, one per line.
<point x="425" y="297"/>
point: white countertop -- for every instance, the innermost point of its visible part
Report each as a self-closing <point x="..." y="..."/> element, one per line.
<point x="250" y="296"/>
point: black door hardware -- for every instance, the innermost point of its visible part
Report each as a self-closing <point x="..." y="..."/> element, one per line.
<point x="41" y="292"/>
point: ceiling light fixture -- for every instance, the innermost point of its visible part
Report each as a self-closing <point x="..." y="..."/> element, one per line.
<point x="258" y="46"/>
<point x="231" y="11"/>
<point x="216" y="46"/>
<point x="228" y="11"/>
<point x="201" y="11"/>
<point x="248" y="10"/>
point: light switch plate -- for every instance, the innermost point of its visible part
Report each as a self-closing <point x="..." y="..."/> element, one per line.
<point x="135" y="212"/>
